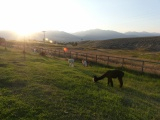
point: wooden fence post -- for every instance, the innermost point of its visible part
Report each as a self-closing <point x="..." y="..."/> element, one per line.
<point x="96" y="58"/>
<point x="55" y="53"/>
<point x="70" y="54"/>
<point x="64" y="54"/>
<point x="51" y="52"/>
<point x="59" y="53"/>
<point x="76" y="55"/>
<point x="86" y="56"/>
<point x="122" y="62"/>
<point x="108" y="61"/>
<point x="142" y="66"/>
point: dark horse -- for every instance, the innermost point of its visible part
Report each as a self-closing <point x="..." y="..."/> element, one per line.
<point x="111" y="74"/>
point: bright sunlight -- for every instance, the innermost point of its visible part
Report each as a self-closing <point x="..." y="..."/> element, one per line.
<point x="27" y="16"/>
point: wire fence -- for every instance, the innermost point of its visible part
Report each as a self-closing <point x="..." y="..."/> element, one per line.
<point x="133" y="64"/>
<point x="129" y="63"/>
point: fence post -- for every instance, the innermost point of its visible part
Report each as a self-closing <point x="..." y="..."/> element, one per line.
<point x="70" y="54"/>
<point x="55" y="53"/>
<point x="122" y="62"/>
<point x="46" y="51"/>
<point x="142" y="66"/>
<point x="96" y="58"/>
<point x="108" y="61"/>
<point x="64" y="54"/>
<point x="59" y="53"/>
<point x="86" y="56"/>
<point x="52" y="53"/>
<point x="76" y="55"/>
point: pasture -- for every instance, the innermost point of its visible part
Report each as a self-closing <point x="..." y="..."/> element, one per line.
<point x="37" y="87"/>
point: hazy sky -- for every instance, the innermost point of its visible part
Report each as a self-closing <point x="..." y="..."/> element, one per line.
<point x="78" y="15"/>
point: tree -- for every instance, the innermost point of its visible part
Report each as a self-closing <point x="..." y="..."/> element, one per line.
<point x="74" y="43"/>
<point x="2" y="40"/>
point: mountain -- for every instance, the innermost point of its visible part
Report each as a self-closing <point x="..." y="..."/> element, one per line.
<point x="9" y="35"/>
<point x="143" y="43"/>
<point x="55" y="36"/>
<point x="94" y="34"/>
<point x="61" y="36"/>
<point x="141" y="34"/>
<point x="97" y="34"/>
<point x="51" y="35"/>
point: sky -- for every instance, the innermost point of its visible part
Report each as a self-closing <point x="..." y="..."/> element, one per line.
<point x="26" y="16"/>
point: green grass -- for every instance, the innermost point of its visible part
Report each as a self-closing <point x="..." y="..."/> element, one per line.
<point x="140" y="54"/>
<point x="42" y="88"/>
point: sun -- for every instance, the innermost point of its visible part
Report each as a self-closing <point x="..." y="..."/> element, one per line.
<point x="25" y="19"/>
<point x="23" y="27"/>
<point x="23" y="31"/>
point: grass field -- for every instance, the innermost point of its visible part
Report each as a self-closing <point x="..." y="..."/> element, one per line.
<point x="133" y="54"/>
<point x="37" y="87"/>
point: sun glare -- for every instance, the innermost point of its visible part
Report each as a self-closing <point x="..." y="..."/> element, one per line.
<point x="23" y="31"/>
<point x="55" y="16"/>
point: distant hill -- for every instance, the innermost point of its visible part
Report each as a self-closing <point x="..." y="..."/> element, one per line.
<point x="141" y="34"/>
<point x="97" y="34"/>
<point x="9" y="35"/>
<point x="94" y="34"/>
<point x="51" y="35"/>
<point x="145" y="43"/>
<point x="56" y="36"/>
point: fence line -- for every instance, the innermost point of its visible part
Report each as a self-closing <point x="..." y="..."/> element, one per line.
<point x="133" y="64"/>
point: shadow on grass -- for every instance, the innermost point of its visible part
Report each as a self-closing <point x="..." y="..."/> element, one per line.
<point x="3" y="65"/>
<point x="5" y="82"/>
<point x="129" y="95"/>
<point x="138" y="94"/>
